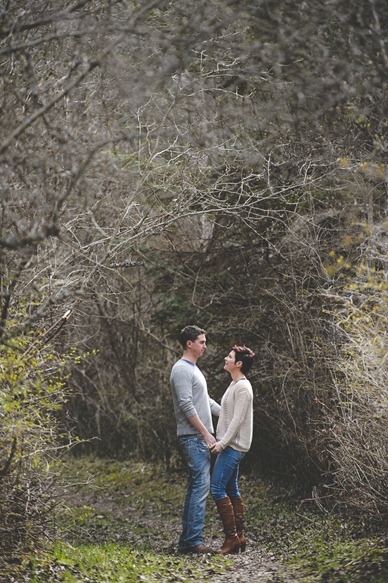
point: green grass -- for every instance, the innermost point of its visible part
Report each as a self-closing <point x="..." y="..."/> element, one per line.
<point x="118" y="526"/>
<point x="116" y="563"/>
<point x="120" y="523"/>
<point x="320" y="547"/>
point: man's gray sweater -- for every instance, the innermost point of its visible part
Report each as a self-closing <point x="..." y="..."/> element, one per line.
<point x="190" y="397"/>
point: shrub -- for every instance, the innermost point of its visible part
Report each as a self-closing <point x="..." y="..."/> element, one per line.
<point x="32" y="391"/>
<point x="357" y="424"/>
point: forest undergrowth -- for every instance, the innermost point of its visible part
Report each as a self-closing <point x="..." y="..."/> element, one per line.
<point x="120" y="521"/>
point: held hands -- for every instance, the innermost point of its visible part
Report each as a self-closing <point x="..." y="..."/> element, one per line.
<point x="210" y="440"/>
<point x="216" y="447"/>
<point x="213" y="444"/>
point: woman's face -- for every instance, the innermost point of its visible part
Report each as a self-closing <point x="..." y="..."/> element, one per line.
<point x="230" y="361"/>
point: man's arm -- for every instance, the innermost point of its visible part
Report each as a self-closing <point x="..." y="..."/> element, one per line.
<point x="195" y="421"/>
<point x="214" y="407"/>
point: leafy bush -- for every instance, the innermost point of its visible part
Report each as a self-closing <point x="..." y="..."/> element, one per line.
<point x="33" y="390"/>
<point x="357" y="422"/>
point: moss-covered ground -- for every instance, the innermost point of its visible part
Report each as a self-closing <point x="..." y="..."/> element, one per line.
<point x="120" y="523"/>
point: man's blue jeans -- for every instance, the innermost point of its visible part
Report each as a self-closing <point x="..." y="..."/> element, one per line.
<point x="197" y="456"/>
<point x="225" y="474"/>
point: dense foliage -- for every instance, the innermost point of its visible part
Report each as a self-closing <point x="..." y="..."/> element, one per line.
<point x="32" y="392"/>
<point x="218" y="163"/>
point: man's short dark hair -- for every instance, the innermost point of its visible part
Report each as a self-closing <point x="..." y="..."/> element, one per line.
<point x="190" y="333"/>
<point x="244" y="355"/>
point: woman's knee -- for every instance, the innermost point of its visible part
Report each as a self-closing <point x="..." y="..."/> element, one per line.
<point x="217" y="491"/>
<point x="233" y="491"/>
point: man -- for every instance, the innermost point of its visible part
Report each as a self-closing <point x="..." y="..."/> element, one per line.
<point x="193" y="411"/>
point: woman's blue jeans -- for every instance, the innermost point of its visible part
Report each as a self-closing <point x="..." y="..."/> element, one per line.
<point x="224" y="480"/>
<point x="197" y="456"/>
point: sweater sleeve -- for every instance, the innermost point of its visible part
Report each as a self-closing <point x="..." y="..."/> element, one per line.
<point x="183" y="388"/>
<point x="241" y="405"/>
<point x="214" y="406"/>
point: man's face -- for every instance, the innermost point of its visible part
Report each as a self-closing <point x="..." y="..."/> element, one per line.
<point x="198" y="346"/>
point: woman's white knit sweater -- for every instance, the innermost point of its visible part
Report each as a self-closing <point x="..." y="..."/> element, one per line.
<point x="235" y="425"/>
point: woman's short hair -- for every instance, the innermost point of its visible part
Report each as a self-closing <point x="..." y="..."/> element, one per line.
<point x="244" y="355"/>
<point x="190" y="333"/>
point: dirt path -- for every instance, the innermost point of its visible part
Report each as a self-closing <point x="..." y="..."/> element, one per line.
<point x="255" y="565"/>
<point x="139" y="507"/>
<point x="140" y="520"/>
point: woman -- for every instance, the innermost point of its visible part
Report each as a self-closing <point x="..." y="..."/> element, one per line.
<point x="234" y="438"/>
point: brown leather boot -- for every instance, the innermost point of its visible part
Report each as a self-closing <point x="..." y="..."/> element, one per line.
<point x="238" y="508"/>
<point x="231" y="543"/>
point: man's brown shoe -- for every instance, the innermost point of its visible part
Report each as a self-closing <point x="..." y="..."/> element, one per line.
<point x="201" y="549"/>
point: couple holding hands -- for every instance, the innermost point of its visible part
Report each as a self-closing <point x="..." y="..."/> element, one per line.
<point x="193" y="411"/>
